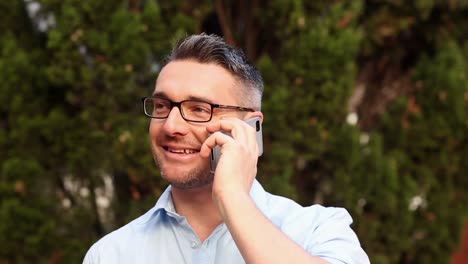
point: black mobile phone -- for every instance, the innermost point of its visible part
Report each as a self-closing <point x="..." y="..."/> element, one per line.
<point x="253" y="122"/>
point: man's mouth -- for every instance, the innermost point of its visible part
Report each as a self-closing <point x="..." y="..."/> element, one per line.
<point x="181" y="151"/>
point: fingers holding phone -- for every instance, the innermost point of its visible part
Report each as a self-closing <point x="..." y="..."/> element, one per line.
<point x="233" y="148"/>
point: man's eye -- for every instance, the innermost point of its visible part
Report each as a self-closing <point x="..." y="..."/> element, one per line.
<point x="200" y="109"/>
<point x="159" y="106"/>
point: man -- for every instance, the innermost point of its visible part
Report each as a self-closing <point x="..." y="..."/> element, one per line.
<point x="203" y="94"/>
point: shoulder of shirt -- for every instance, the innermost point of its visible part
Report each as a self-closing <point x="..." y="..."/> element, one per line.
<point x="282" y="210"/>
<point x="322" y="231"/>
<point x="117" y="239"/>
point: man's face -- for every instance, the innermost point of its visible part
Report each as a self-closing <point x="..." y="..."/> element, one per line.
<point x="176" y="143"/>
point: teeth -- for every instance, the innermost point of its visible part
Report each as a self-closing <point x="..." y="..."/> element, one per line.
<point x="182" y="151"/>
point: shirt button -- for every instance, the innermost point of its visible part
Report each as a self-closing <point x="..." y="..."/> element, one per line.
<point x="193" y="244"/>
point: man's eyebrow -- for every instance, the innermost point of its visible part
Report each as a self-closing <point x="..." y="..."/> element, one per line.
<point x="162" y="94"/>
<point x="196" y="98"/>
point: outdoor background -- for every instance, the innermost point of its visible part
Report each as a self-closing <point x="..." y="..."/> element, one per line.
<point x="365" y="108"/>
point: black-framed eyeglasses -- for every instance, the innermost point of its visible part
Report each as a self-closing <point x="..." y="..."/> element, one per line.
<point x="191" y="110"/>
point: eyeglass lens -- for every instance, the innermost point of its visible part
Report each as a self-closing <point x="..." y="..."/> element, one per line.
<point x="190" y="110"/>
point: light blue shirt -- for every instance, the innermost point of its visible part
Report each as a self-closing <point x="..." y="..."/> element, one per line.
<point x="163" y="236"/>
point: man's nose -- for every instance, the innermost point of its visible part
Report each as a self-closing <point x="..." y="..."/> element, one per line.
<point x="175" y="124"/>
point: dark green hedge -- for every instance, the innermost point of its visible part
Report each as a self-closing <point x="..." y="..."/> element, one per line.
<point x="365" y="107"/>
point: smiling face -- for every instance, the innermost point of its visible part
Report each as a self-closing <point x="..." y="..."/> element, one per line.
<point x="176" y="143"/>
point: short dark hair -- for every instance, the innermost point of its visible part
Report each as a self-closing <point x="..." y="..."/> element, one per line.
<point x="205" y="48"/>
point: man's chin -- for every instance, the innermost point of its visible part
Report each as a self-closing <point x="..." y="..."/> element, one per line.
<point x="191" y="184"/>
<point x="194" y="178"/>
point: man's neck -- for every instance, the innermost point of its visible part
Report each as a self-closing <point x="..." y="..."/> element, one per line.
<point x="198" y="207"/>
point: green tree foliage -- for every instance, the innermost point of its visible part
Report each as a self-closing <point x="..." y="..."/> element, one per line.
<point x="70" y="121"/>
<point x="365" y="107"/>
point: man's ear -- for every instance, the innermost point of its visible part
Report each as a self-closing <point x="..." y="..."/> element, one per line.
<point x="254" y="114"/>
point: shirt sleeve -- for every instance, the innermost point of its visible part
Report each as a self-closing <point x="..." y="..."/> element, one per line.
<point x="332" y="238"/>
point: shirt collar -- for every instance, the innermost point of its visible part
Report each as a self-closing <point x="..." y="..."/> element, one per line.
<point x="163" y="205"/>
<point x="166" y="205"/>
<point x="165" y="201"/>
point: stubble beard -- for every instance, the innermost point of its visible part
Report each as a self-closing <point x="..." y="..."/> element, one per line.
<point x="195" y="178"/>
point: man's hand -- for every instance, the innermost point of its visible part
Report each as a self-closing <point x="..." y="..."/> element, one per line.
<point x="237" y="166"/>
<point x="258" y="240"/>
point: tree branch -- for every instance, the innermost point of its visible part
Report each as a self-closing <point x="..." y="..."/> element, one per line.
<point x="134" y="6"/>
<point x="225" y="22"/>
<point x="251" y="29"/>
<point x="97" y="219"/>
